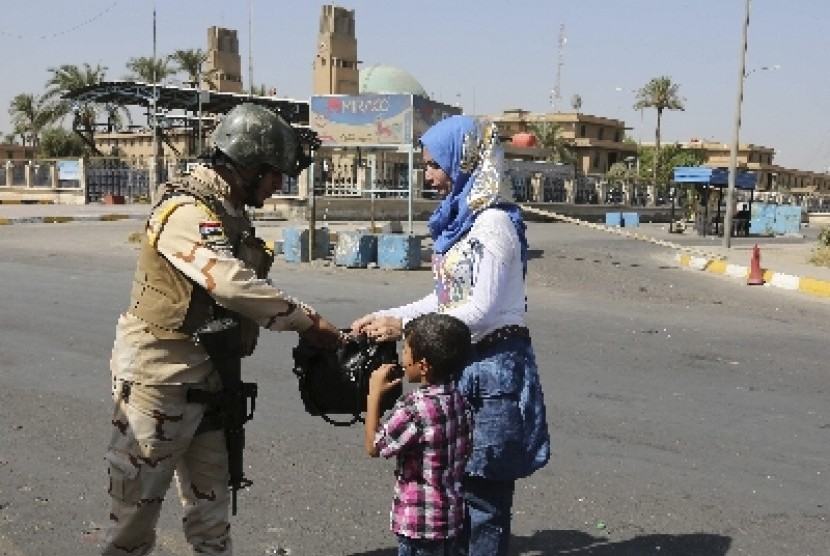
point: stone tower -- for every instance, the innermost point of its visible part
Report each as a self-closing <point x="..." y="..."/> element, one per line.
<point x="335" y="63"/>
<point x="223" y="60"/>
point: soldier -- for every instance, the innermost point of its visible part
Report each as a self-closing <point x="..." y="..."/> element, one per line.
<point x="199" y="260"/>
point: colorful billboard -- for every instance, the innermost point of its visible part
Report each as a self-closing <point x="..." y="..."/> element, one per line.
<point x="376" y="119"/>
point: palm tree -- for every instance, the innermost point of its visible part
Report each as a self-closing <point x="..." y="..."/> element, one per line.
<point x="29" y="115"/>
<point x="190" y="61"/>
<point x="548" y="134"/>
<point x="149" y="69"/>
<point x="661" y="94"/>
<point x="69" y="79"/>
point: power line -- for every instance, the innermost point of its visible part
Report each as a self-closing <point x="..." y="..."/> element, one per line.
<point x="65" y="31"/>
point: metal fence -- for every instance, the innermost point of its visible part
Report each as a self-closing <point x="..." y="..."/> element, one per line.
<point x="42" y="174"/>
<point x="114" y="177"/>
<point x="18" y="172"/>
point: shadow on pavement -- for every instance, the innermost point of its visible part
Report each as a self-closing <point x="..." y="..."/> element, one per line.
<point x="578" y="543"/>
<point x="535" y="253"/>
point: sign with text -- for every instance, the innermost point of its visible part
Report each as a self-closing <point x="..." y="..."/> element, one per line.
<point x="376" y="119"/>
<point x="69" y="170"/>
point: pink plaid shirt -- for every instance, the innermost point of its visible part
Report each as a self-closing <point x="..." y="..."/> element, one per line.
<point x="429" y="430"/>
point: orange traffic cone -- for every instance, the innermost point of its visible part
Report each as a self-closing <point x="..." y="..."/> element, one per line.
<point x="756" y="275"/>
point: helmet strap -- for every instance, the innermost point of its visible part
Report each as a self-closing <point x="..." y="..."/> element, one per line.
<point x="249" y="187"/>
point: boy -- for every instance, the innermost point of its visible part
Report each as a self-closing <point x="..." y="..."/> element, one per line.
<point x="429" y="431"/>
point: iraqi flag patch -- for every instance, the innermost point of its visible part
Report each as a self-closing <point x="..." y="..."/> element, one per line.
<point x="211" y="230"/>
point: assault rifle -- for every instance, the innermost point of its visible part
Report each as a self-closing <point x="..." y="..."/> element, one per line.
<point x="222" y="341"/>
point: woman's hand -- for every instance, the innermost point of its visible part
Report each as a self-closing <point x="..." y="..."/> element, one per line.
<point x="379" y="329"/>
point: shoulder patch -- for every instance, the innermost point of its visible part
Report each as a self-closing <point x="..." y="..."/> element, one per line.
<point x="211" y="230"/>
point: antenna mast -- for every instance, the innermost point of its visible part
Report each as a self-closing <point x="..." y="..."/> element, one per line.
<point x="250" y="49"/>
<point x="556" y="94"/>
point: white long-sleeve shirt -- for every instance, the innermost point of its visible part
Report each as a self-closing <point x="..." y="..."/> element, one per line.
<point x="479" y="280"/>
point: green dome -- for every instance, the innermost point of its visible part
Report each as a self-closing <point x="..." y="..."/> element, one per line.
<point x="380" y="78"/>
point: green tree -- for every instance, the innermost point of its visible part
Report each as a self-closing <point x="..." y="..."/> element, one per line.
<point x="149" y="70"/>
<point x="29" y="115"/>
<point x="670" y="157"/>
<point x="69" y="79"/>
<point x="190" y="62"/>
<point x="549" y="136"/>
<point x="661" y="94"/>
<point x="58" y="142"/>
<point x="619" y="172"/>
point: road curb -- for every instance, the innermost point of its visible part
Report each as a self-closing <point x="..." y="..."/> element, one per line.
<point x="773" y="279"/>
<point x="59" y="219"/>
<point x="8" y="220"/>
<point x="697" y="259"/>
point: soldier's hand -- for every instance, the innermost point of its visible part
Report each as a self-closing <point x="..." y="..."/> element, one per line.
<point x="323" y="334"/>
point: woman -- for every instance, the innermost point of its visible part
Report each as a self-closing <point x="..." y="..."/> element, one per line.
<point x="480" y="263"/>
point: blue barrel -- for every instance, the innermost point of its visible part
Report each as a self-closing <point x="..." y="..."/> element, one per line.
<point x="355" y="249"/>
<point x="399" y="252"/>
<point x="295" y="244"/>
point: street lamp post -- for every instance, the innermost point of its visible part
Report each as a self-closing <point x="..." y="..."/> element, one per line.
<point x="199" y="111"/>
<point x="632" y="192"/>
<point x="733" y="155"/>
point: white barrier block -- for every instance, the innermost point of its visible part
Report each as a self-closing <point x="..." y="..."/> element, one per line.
<point x="736" y="271"/>
<point x="785" y="281"/>
<point x="698" y="263"/>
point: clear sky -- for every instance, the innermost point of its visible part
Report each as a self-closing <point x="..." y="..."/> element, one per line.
<point x="491" y="55"/>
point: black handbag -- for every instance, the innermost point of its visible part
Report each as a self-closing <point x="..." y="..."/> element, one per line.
<point x="336" y="382"/>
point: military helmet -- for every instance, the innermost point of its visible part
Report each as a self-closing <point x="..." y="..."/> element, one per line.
<point x="251" y="135"/>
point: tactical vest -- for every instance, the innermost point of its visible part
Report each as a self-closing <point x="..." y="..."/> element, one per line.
<point x="166" y="299"/>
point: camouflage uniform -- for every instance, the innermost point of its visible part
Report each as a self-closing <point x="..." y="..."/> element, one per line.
<point x="198" y="252"/>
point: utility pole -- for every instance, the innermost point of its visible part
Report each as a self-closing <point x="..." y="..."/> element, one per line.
<point x="154" y="172"/>
<point x="250" y="48"/>
<point x="199" y="111"/>
<point x="736" y="131"/>
<point x="556" y="94"/>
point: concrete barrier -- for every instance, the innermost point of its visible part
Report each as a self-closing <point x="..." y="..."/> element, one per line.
<point x="399" y="252"/>
<point x="355" y="249"/>
<point x="295" y="244"/>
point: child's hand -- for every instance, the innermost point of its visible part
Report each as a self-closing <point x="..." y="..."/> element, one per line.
<point x="382" y="379"/>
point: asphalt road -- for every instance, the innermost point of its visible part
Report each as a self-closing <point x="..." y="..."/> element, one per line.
<point x="688" y="411"/>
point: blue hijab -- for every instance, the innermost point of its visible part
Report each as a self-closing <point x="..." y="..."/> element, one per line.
<point x="470" y="154"/>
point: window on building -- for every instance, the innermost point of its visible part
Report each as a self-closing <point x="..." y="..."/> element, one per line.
<point x="582" y="130"/>
<point x="601" y="133"/>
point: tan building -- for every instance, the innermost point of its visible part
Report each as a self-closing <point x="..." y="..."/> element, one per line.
<point x="10" y="151"/>
<point x="772" y="181"/>
<point x="335" y="64"/>
<point x="223" y="62"/>
<point x="597" y="142"/>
